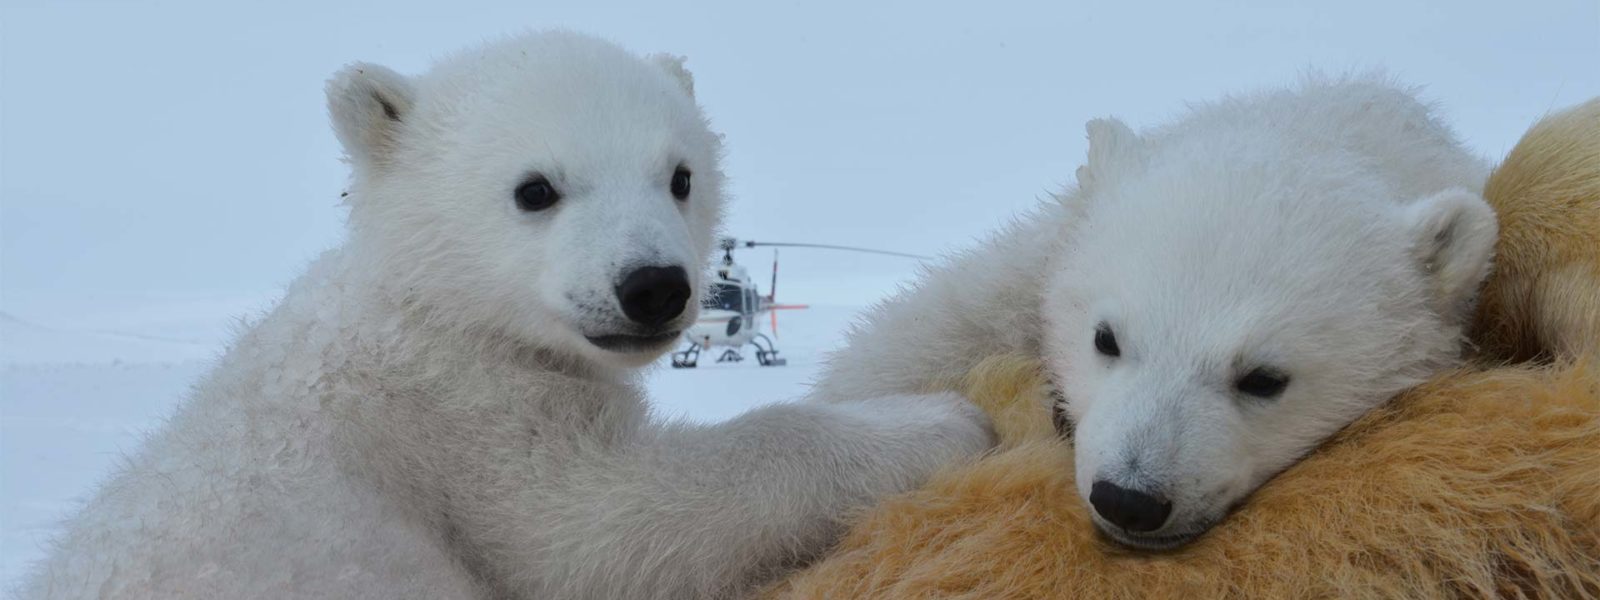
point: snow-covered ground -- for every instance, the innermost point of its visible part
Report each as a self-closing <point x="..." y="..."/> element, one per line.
<point x="76" y="394"/>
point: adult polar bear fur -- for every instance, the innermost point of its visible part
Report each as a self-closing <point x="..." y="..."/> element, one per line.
<point x="445" y="407"/>
<point x="1543" y="300"/>
<point x="1215" y="298"/>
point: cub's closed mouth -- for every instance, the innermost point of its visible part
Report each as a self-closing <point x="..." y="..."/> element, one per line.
<point x="1150" y="542"/>
<point x="632" y="343"/>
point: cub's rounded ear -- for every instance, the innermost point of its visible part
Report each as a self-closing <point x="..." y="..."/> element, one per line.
<point x="1113" y="146"/>
<point x="1453" y="237"/>
<point x="369" y="105"/>
<point x="673" y="65"/>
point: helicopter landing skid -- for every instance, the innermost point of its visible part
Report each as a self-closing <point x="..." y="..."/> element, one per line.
<point x="767" y="357"/>
<point x="766" y="354"/>
<point x="689" y="358"/>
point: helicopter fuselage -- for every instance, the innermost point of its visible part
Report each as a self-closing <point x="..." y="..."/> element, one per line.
<point x="721" y="327"/>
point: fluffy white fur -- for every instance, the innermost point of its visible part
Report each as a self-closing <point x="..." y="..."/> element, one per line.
<point x="1334" y="233"/>
<point x="423" y="415"/>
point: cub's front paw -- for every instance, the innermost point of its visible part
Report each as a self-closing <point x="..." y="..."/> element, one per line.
<point x="945" y="424"/>
<point x="968" y="426"/>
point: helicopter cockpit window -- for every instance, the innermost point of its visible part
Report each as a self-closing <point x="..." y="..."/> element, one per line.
<point x="726" y="297"/>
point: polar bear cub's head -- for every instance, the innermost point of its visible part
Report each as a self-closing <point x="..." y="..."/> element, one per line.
<point x="551" y="187"/>
<point x="1228" y="300"/>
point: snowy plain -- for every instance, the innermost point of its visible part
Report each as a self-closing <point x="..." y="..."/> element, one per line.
<point x="78" y="394"/>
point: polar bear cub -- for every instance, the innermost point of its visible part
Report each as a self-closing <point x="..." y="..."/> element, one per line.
<point x="446" y="406"/>
<point x="1217" y="297"/>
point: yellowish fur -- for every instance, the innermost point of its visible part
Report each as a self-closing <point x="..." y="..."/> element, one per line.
<point x="1012" y="389"/>
<point x="1543" y="299"/>
<point x="1476" y="485"/>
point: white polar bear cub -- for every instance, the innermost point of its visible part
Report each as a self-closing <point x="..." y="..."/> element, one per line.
<point x="1217" y="297"/>
<point x="445" y="406"/>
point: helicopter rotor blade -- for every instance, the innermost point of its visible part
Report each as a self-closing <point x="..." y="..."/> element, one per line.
<point x="774" y="308"/>
<point x="772" y="292"/>
<point x="754" y="244"/>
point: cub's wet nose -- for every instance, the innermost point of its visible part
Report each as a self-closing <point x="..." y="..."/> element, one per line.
<point x="652" y="296"/>
<point x="1132" y="510"/>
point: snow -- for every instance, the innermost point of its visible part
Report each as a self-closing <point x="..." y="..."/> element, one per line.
<point x="77" y="393"/>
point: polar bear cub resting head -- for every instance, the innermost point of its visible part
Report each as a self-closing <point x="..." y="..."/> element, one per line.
<point x="569" y="208"/>
<point x="1242" y="284"/>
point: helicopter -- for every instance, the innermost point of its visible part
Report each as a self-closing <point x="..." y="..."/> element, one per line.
<point x="732" y="306"/>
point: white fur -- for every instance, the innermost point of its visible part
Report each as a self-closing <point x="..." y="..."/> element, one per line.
<point x="1335" y="232"/>
<point x="423" y="417"/>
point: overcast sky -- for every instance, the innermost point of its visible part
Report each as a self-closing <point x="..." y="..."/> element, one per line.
<point x="182" y="147"/>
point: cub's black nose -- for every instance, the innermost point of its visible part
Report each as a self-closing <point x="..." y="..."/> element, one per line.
<point x="651" y="296"/>
<point x="1129" y="509"/>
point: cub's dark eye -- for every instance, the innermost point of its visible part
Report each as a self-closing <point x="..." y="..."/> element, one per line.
<point x="536" y="194"/>
<point x="1105" y="341"/>
<point x="680" y="184"/>
<point x="1262" y="382"/>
